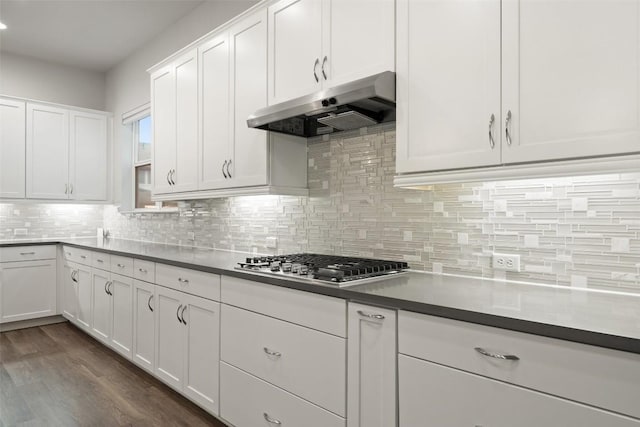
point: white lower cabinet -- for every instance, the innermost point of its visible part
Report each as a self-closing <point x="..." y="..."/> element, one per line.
<point x="121" y="314"/>
<point x="144" y="325"/>
<point x="247" y="401"/>
<point x="69" y="292"/>
<point x="439" y="396"/>
<point x="27" y="290"/>
<point x="100" y="325"/>
<point x="188" y="345"/>
<point x="371" y="367"/>
<point x="84" y="296"/>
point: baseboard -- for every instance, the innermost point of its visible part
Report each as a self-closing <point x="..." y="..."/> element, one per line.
<point x="31" y="323"/>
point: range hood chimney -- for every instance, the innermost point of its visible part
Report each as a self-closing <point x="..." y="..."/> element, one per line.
<point x="352" y="105"/>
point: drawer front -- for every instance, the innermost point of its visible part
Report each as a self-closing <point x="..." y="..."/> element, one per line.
<point x="144" y="270"/>
<point x="315" y="311"/>
<point x="101" y="260"/>
<point x="601" y="377"/>
<point x="307" y="363"/>
<point x="246" y="401"/>
<point x="81" y="256"/>
<point x="122" y="265"/>
<point x="449" y="397"/>
<point x="199" y="283"/>
<point x="27" y="253"/>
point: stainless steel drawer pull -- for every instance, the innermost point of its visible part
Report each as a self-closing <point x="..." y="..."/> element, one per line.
<point x="507" y="123"/>
<point x="272" y="420"/>
<point x="178" y="313"/>
<point x="484" y="352"/>
<point x="149" y="303"/>
<point x="142" y="270"/>
<point x="182" y="314"/>
<point x="27" y="253"/>
<point x="181" y="280"/>
<point x="371" y="316"/>
<point x="272" y="353"/>
<point x="121" y="265"/>
<point x="99" y="260"/>
<point x="83" y="256"/>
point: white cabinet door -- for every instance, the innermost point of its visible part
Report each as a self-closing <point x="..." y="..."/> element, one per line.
<point x="169" y="352"/>
<point x="202" y="351"/>
<point x="101" y="304"/>
<point x="85" y="296"/>
<point x="121" y="290"/>
<point x="12" y="148"/>
<point x="88" y="156"/>
<point x="185" y="176"/>
<point x="448" y="84"/>
<point x="371" y="367"/>
<point x="69" y="292"/>
<point x="215" y="118"/>
<point x="295" y="46"/>
<point x="571" y="78"/>
<point x="47" y="141"/>
<point x="27" y="290"/>
<point x="359" y="39"/>
<point x="163" y="118"/>
<point x="144" y="325"/>
<point x="435" y="395"/>
<point x="249" y="75"/>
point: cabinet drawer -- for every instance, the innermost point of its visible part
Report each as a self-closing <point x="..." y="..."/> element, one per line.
<point x="246" y="401"/>
<point x="101" y="260"/>
<point x="122" y="265"/>
<point x="144" y="270"/>
<point x="27" y="253"/>
<point x="597" y="376"/>
<point x="315" y="311"/>
<point x="448" y="397"/>
<point x="307" y="363"/>
<point x="27" y="290"/>
<point x="81" y="256"/>
<point x="199" y="283"/>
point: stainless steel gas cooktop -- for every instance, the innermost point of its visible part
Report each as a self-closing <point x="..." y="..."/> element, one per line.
<point x="328" y="269"/>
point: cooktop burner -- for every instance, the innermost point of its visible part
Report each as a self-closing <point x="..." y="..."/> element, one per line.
<point x="325" y="268"/>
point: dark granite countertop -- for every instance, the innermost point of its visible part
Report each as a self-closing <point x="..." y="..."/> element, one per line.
<point x="606" y="319"/>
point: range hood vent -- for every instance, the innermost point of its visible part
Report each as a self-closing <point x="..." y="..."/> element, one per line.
<point x="352" y="105"/>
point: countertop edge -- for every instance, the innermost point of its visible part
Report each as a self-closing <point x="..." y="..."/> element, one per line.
<point x="581" y="336"/>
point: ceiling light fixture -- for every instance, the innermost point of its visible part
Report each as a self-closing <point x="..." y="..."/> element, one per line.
<point x="2" y="26"/>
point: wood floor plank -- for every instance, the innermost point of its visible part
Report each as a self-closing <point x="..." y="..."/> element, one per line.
<point x="56" y="375"/>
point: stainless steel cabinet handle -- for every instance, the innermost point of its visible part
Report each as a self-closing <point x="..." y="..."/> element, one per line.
<point x="315" y="65"/>
<point x="66" y="188"/>
<point x="99" y="260"/>
<point x="484" y="352"/>
<point x="223" y="172"/>
<point x="370" y="315"/>
<point x="173" y="182"/>
<point x="181" y="280"/>
<point x="271" y="420"/>
<point x="73" y="276"/>
<point x="324" y="62"/>
<point x="83" y="256"/>
<point x="271" y="352"/>
<point x="121" y="265"/>
<point x="168" y="173"/>
<point x="142" y="270"/>
<point x="507" y="122"/>
<point x="182" y="314"/>
<point x="178" y="313"/>
<point x="149" y="303"/>
<point x="70" y="188"/>
<point x="492" y="120"/>
<point x="27" y="253"/>
<point x="228" y="164"/>
<point x="110" y="289"/>
<point x="105" y="287"/>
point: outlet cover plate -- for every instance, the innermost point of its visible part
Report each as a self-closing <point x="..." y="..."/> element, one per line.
<point x="506" y="262"/>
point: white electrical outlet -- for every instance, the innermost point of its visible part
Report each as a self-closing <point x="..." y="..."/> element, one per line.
<point x="506" y="262"/>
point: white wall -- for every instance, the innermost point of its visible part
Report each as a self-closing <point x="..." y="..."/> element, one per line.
<point x="32" y="78"/>
<point x="127" y="84"/>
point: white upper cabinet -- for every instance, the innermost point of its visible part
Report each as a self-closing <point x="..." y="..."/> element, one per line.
<point x="358" y="39"/>
<point x="174" y="107"/>
<point x="571" y="78"/>
<point x="215" y="124"/>
<point x="316" y="44"/>
<point x="448" y="84"/>
<point x="495" y="83"/>
<point x="47" y="152"/>
<point x="88" y="154"/>
<point x="295" y="49"/>
<point x="12" y="148"/>
<point x="249" y="85"/>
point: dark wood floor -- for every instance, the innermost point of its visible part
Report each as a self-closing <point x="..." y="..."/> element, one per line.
<point x="58" y="376"/>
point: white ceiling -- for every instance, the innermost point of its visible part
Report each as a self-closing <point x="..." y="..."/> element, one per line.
<point x="90" y="34"/>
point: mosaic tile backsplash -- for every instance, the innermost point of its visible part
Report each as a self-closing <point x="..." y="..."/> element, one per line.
<point x="578" y="231"/>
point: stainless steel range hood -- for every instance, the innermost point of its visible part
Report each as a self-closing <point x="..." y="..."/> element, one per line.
<point x="348" y="106"/>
